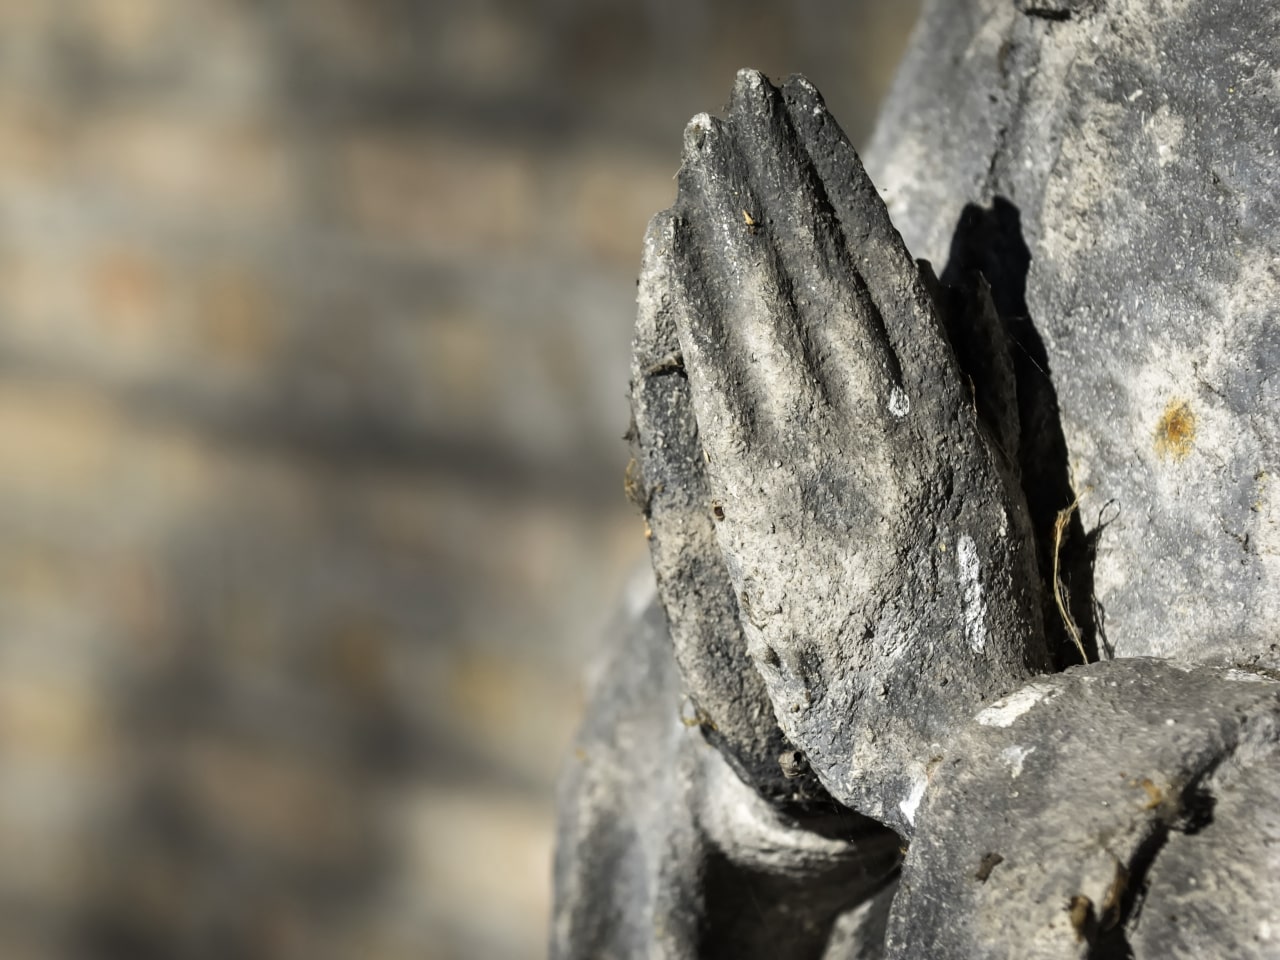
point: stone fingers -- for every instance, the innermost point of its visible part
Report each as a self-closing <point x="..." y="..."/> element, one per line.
<point x="877" y="557"/>
<point x="910" y="320"/>
<point x="784" y="319"/>
<point x="668" y="480"/>
<point x="739" y="331"/>
<point x="848" y="348"/>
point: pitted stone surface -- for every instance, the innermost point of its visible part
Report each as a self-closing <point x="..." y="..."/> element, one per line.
<point x="1130" y="152"/>
<point x="875" y="481"/>
<point x="664" y="851"/>
<point x="1141" y="791"/>
<point x="876" y="541"/>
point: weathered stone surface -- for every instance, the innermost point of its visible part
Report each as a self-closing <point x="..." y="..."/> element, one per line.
<point x="668" y="480"/>
<point x="879" y="551"/>
<point x="664" y="851"/>
<point x="868" y="464"/>
<point x="1113" y="172"/>
<point x="1140" y="793"/>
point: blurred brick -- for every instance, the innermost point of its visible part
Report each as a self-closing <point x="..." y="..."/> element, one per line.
<point x="178" y="165"/>
<point x="614" y="195"/>
<point x="350" y="35"/>
<point x="27" y="23"/>
<point x="128" y="295"/>
<point x="447" y="198"/>
<point x="40" y="294"/>
<point x="129" y="29"/>
<point x="493" y="50"/>
<point x="33" y="141"/>
<point x="277" y="803"/>
<point x="69" y="453"/>
<point x="51" y="717"/>
<point x="454" y="840"/>
<point x="314" y="319"/>
<point x="53" y="445"/>
<point x="240" y="318"/>
<point x="461" y="360"/>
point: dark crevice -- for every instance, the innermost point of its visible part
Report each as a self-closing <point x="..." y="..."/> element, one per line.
<point x="998" y="151"/>
<point x="671" y="366"/>
<point x="989" y="241"/>
<point x="1109" y="513"/>
<point x="1048" y="13"/>
<point x="755" y="913"/>
<point x="1193" y="814"/>
<point x="1198" y="804"/>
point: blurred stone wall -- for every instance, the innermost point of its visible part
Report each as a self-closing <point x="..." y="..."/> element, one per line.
<point x="313" y="343"/>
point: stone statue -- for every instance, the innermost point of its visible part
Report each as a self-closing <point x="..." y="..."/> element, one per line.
<point x="964" y="635"/>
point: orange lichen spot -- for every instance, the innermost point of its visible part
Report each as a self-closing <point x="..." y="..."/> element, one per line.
<point x="1080" y="910"/>
<point x="1176" y="431"/>
<point x="1113" y="902"/>
<point x="1155" y="796"/>
<point x="633" y="484"/>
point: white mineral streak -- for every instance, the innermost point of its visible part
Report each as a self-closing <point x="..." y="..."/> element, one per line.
<point x="899" y="404"/>
<point x="975" y="607"/>
<point x="1003" y="712"/>
<point x="1014" y="756"/>
<point x="912" y="803"/>
<point x="1246" y="676"/>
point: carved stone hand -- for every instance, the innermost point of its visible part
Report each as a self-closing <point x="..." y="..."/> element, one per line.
<point x="880" y="555"/>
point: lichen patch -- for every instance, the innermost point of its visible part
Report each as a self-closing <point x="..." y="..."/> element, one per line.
<point x="1176" y="431"/>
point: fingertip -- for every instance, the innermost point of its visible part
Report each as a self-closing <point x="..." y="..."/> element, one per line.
<point x="802" y="98"/>
<point x="749" y="84"/>
<point x="660" y="234"/>
<point x="704" y="137"/>
<point x="754" y="97"/>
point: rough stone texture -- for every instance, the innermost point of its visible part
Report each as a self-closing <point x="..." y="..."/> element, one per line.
<point x="1139" y="792"/>
<point x="667" y="478"/>
<point x="878" y="547"/>
<point x="1098" y="180"/>
<point x="665" y="851"/>
<point x="1112" y="169"/>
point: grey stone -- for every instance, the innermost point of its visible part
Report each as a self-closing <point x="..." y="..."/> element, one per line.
<point x="885" y="506"/>
<point x="664" y="851"/>
<point x="877" y="545"/>
<point x="667" y="478"/>
<point x="1114" y="176"/>
<point x="1125" y="805"/>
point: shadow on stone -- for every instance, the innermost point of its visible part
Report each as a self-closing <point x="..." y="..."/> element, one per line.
<point x="989" y="241"/>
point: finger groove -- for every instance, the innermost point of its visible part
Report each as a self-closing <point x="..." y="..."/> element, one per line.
<point x="842" y="320"/>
